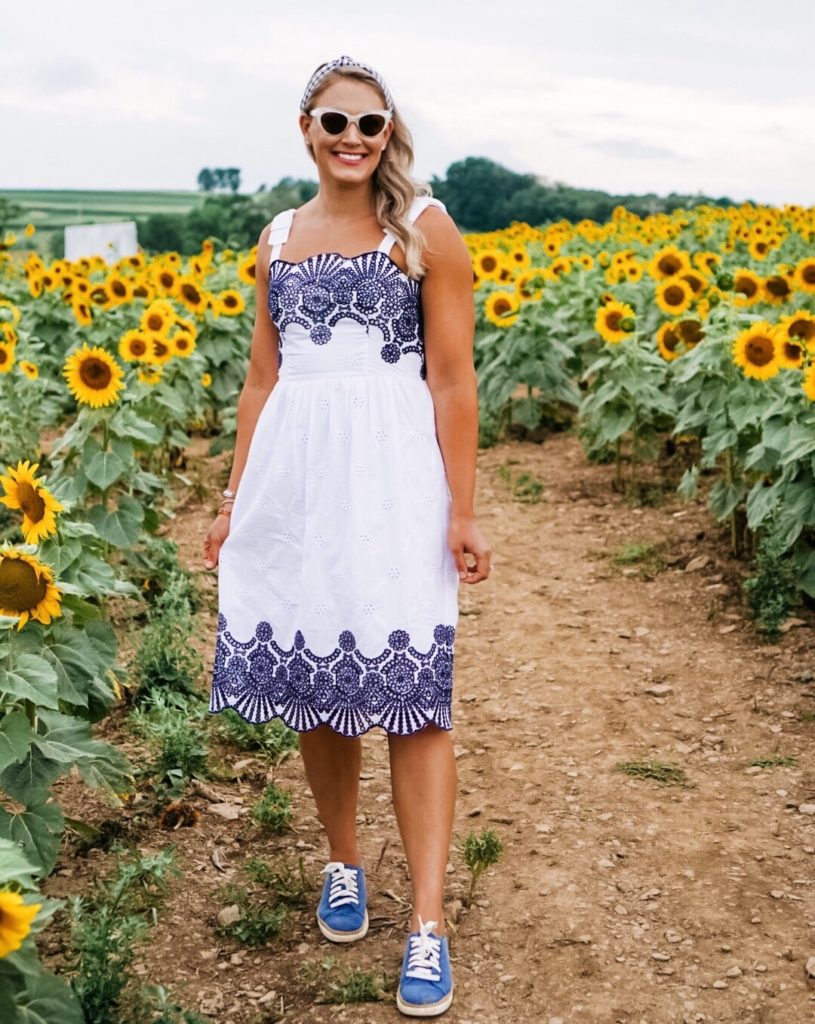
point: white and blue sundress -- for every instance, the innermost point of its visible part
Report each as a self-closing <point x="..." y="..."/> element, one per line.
<point x="337" y="592"/>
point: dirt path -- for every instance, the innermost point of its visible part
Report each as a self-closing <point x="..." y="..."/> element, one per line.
<point x="618" y="900"/>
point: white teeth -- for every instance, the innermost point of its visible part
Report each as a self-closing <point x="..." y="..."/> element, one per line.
<point x="350" y="157"/>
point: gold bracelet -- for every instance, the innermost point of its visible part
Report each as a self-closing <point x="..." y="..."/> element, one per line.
<point x="223" y="512"/>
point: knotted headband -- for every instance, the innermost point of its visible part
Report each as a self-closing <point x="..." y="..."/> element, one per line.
<point x="341" y="62"/>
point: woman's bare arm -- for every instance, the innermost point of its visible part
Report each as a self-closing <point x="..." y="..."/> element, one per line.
<point x="262" y="372"/>
<point x="449" y="324"/>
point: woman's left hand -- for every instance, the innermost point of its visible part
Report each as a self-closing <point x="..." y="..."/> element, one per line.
<point x="464" y="537"/>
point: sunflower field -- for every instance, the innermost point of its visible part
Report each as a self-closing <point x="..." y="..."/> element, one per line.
<point x="698" y="326"/>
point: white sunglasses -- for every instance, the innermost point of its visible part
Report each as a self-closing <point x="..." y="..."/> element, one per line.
<point x="334" y="122"/>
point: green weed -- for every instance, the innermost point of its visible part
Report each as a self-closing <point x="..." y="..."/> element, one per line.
<point x="668" y="774"/>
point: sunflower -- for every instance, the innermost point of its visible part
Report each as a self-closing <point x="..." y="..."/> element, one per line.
<point x="100" y="296"/>
<point x="247" y="270"/>
<point x="15" y="920"/>
<point x="119" y="288"/>
<point x="191" y="294"/>
<point x="29" y="230"/>
<point x="158" y="318"/>
<point x="27" y="589"/>
<point x="777" y="289"/>
<point x="230" y="302"/>
<point x="6" y="356"/>
<point x="755" y="351"/>
<point x="488" y="263"/>
<point x="799" y="325"/>
<point x="134" y="347"/>
<point x="206" y="380"/>
<point x="94" y="377"/>
<point x="706" y="260"/>
<point x="26" y="492"/>
<point x="183" y="343"/>
<point x="528" y="284"/>
<point x="586" y="260"/>
<point x="667" y="262"/>
<point x="82" y="312"/>
<point x="808" y="382"/>
<point x="7" y="333"/>
<point x="790" y="352"/>
<point x="162" y="350"/>
<point x="35" y="285"/>
<point x="805" y="274"/>
<point x="501" y="308"/>
<point x="31" y="370"/>
<point x="610" y="318"/>
<point x="165" y="278"/>
<point x="668" y="341"/>
<point x="520" y="258"/>
<point x="634" y="270"/>
<point x="747" y="287"/>
<point x="150" y="375"/>
<point x="674" y="295"/>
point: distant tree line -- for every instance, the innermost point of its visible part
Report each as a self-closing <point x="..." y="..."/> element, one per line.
<point x="233" y="220"/>
<point x="211" y="178"/>
<point x="480" y="195"/>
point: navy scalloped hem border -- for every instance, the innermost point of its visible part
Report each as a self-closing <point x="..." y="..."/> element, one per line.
<point x="401" y="689"/>
<point x="349" y="735"/>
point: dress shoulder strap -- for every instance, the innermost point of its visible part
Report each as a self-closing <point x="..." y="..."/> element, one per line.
<point x="419" y="205"/>
<point x="279" y="232"/>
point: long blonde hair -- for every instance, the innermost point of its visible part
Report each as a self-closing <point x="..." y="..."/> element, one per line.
<point x="394" y="187"/>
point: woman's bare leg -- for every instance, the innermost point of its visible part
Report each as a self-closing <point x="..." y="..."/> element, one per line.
<point x="332" y="763"/>
<point x="423" y="779"/>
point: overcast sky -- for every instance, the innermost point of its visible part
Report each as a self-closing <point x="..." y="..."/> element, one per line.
<point x="626" y="96"/>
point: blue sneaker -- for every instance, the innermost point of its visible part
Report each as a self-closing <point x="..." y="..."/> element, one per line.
<point x="343" y="910"/>
<point x="426" y="985"/>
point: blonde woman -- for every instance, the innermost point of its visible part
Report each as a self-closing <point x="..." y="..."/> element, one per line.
<point x="349" y="509"/>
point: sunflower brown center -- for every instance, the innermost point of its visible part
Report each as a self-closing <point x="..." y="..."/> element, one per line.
<point x="95" y="373"/>
<point x="759" y="350"/>
<point x="674" y="295"/>
<point x="118" y="288"/>
<point x="190" y="293"/>
<point x="669" y="265"/>
<point x="4" y="356"/>
<point x="691" y="331"/>
<point x="159" y="348"/>
<point x="670" y="339"/>
<point x="613" y="320"/>
<point x="793" y="351"/>
<point x="804" y="329"/>
<point x="31" y="501"/>
<point x="488" y="264"/>
<point x="502" y="307"/>
<point x="20" y="587"/>
<point x="167" y="280"/>
<point x="155" y="321"/>
<point x="778" y="286"/>
<point x="808" y="273"/>
<point x="138" y="347"/>
<point x="230" y="301"/>
<point x="746" y="286"/>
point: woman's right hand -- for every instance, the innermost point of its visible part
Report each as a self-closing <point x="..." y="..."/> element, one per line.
<point x="216" y="535"/>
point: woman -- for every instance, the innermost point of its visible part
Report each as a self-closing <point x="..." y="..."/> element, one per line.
<point x="351" y="500"/>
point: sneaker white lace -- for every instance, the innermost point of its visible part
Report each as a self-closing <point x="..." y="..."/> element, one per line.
<point x="423" y="953"/>
<point x="344" y="885"/>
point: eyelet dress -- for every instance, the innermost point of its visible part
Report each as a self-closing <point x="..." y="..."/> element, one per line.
<point x="337" y="593"/>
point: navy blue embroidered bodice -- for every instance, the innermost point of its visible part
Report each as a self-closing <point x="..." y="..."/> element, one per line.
<point x="328" y="289"/>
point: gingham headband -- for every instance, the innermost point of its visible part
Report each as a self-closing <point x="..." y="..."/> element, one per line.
<point x="344" y="61"/>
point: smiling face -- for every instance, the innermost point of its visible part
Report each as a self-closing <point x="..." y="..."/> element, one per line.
<point x="349" y="156"/>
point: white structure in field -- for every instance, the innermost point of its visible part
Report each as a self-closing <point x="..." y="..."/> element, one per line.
<point x="109" y="240"/>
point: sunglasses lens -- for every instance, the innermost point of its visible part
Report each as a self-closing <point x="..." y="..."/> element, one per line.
<point x="334" y="123"/>
<point x="371" y="124"/>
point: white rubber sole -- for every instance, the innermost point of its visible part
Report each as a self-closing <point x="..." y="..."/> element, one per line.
<point x="336" y="936"/>
<point x="426" y="1009"/>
